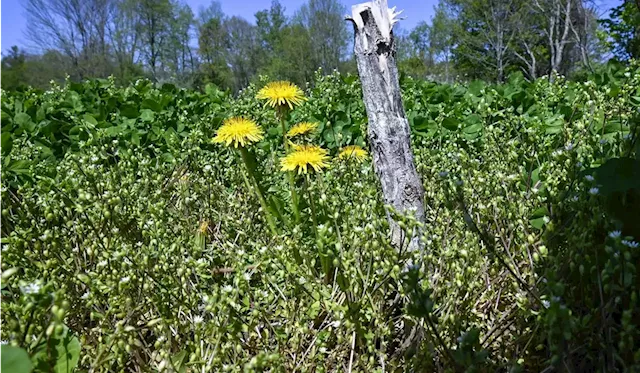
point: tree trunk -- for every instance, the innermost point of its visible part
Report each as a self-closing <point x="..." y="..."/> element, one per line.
<point x="388" y="128"/>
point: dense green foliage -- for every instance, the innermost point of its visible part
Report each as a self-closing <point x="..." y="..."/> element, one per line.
<point x="126" y="231"/>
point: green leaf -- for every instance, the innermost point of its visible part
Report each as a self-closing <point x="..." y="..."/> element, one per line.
<point x="329" y="136"/>
<point x="474" y="128"/>
<point x="68" y="351"/>
<point x="476" y="87"/>
<point x="57" y="354"/>
<point x="129" y="111"/>
<point x="24" y="121"/>
<point x="7" y="143"/>
<point x="19" y="167"/>
<point x="4" y="117"/>
<point x="450" y="123"/>
<point x="168" y="157"/>
<point x="537" y="223"/>
<point x="114" y="131"/>
<point x="14" y="360"/>
<point x="135" y="138"/>
<point x="147" y="115"/>
<point x="151" y="104"/>
<point x="618" y="175"/>
<point x="554" y="124"/>
<point x="90" y="119"/>
<point x="178" y="359"/>
<point x="40" y="114"/>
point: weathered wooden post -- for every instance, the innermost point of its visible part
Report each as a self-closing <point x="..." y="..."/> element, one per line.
<point x="388" y="128"/>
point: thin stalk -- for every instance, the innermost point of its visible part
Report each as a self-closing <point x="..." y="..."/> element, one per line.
<point x="312" y="204"/>
<point x="294" y="197"/>
<point x="263" y="202"/>
<point x="281" y="112"/>
<point x="284" y="133"/>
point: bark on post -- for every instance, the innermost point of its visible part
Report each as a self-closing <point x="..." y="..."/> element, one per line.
<point x="388" y="128"/>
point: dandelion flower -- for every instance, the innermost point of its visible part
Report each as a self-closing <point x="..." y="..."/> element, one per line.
<point x="239" y="132"/>
<point x="281" y="93"/>
<point x="203" y="226"/>
<point x="304" y="156"/>
<point x="302" y="129"/>
<point x="353" y="151"/>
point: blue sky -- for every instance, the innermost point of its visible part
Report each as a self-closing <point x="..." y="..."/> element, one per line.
<point x="14" y="21"/>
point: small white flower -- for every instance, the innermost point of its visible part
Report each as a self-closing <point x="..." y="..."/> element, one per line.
<point x="247" y="276"/>
<point x="198" y="319"/>
<point x="125" y="279"/>
<point x="207" y="168"/>
<point x="575" y="198"/>
<point x="631" y="244"/>
<point x="615" y="234"/>
<point x="31" y="288"/>
<point x="593" y="191"/>
<point x="569" y="146"/>
<point x="3" y="342"/>
<point x="546" y="219"/>
<point x="589" y="178"/>
<point x="546" y="303"/>
<point x="85" y="295"/>
<point x="227" y="288"/>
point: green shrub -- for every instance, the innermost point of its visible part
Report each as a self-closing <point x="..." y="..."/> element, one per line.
<point x="127" y="231"/>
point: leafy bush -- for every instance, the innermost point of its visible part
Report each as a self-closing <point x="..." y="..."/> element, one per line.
<point x="126" y="231"/>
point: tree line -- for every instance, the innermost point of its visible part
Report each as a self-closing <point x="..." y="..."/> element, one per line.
<point x="166" y="41"/>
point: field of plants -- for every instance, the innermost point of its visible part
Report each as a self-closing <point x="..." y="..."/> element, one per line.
<point x="151" y="228"/>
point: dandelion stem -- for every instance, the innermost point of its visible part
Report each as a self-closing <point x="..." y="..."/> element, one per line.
<point x="263" y="202"/>
<point x="281" y="113"/>
<point x="294" y="197"/>
<point x="312" y="204"/>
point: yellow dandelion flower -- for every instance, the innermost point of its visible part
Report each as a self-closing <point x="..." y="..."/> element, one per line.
<point x="353" y="151"/>
<point x="239" y="132"/>
<point x="305" y="156"/>
<point x="302" y="129"/>
<point x="281" y="93"/>
<point x="203" y="226"/>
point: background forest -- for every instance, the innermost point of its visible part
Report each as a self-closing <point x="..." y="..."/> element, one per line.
<point x="167" y="41"/>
